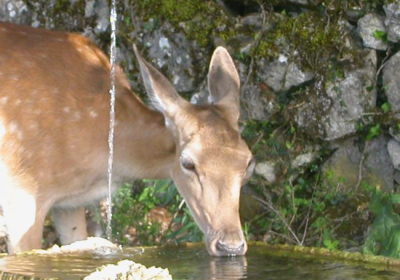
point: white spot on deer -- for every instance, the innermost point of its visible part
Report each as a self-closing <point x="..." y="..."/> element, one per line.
<point x="79" y="50"/>
<point x="60" y="40"/>
<point x="56" y="90"/>
<point x="13" y="127"/>
<point x="93" y="114"/>
<point x="37" y="112"/>
<point x="4" y="30"/>
<point x="35" y="92"/>
<point x="23" y="33"/>
<point x="3" y="100"/>
<point x="67" y="109"/>
<point x="18" y="102"/>
<point x="15" y="77"/>
<point x="43" y="55"/>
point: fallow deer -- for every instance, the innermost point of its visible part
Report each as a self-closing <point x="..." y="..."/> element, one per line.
<point x="54" y="125"/>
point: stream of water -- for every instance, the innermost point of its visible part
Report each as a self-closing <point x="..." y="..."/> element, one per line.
<point x="194" y="263"/>
<point x="113" y="54"/>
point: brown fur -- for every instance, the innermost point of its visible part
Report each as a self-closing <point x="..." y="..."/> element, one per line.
<point x="54" y="120"/>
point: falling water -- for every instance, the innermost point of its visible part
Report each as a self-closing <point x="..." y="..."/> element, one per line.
<point x="113" y="20"/>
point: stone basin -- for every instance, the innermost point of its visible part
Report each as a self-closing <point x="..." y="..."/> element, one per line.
<point x="191" y="261"/>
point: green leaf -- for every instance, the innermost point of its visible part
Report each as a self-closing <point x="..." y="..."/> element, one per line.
<point x="380" y="35"/>
<point x="374" y="132"/>
<point x="385" y="107"/>
<point x="395" y="198"/>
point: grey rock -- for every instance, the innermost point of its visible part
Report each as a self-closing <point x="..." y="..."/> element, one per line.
<point x="368" y="25"/>
<point x="392" y="21"/>
<point x="170" y="50"/>
<point x="200" y="98"/>
<point x="127" y="269"/>
<point x="376" y="169"/>
<point x="331" y="109"/>
<point x="393" y="148"/>
<point x="281" y="74"/>
<point x="14" y="11"/>
<point x="391" y="82"/>
<point x="303" y="159"/>
<point x="256" y="105"/>
<point x="101" y="10"/>
<point x="300" y="2"/>
<point x="395" y="133"/>
<point x="397" y="176"/>
<point x="266" y="169"/>
<point x="350" y="97"/>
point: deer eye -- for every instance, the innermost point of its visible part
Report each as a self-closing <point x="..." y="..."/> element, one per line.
<point x="187" y="163"/>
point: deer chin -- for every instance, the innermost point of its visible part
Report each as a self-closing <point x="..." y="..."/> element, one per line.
<point x="226" y="243"/>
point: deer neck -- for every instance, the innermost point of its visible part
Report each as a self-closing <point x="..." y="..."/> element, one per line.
<point x="144" y="148"/>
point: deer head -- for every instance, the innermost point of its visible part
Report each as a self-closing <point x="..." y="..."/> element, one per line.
<point x="212" y="161"/>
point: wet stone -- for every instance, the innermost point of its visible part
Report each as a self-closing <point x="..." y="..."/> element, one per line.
<point x="394" y="153"/>
<point x="391" y="82"/>
<point x="14" y="11"/>
<point x="281" y="75"/>
<point x="392" y="21"/>
<point x="127" y="269"/>
<point x="375" y="170"/>
<point x="266" y="169"/>
<point x="369" y="27"/>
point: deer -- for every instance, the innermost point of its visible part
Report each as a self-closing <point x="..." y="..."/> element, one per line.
<point x="54" y="125"/>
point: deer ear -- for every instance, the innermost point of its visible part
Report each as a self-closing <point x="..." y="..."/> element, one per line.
<point x="224" y="83"/>
<point x="161" y="92"/>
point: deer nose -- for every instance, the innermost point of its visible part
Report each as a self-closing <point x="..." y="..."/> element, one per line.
<point x="231" y="245"/>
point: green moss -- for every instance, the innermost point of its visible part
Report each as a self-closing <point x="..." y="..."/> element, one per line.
<point x="313" y="38"/>
<point x="199" y="20"/>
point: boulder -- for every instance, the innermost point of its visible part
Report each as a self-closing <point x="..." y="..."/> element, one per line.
<point x="392" y="21"/>
<point x="347" y="164"/>
<point x="391" y="82"/>
<point x="371" y="30"/>
<point x="393" y="148"/>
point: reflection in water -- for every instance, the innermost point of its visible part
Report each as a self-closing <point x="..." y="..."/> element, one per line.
<point x="228" y="268"/>
<point x="195" y="263"/>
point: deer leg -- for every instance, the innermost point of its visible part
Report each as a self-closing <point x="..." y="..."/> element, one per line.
<point x="70" y="224"/>
<point x="24" y="218"/>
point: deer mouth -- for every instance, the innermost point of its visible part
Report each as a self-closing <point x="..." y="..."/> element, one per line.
<point x="230" y="243"/>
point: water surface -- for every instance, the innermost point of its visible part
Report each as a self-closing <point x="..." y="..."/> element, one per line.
<point x="195" y="263"/>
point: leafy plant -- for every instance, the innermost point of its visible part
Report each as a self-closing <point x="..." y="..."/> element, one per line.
<point x="133" y="204"/>
<point x="380" y="35"/>
<point x="384" y="237"/>
<point x="374" y="132"/>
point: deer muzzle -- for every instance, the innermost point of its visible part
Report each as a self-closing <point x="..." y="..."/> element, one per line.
<point x="227" y="244"/>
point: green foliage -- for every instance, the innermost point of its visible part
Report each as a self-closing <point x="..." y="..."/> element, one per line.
<point x="307" y="33"/>
<point x="380" y="35"/>
<point x="133" y="204"/>
<point x="329" y="242"/>
<point x="384" y="237"/>
<point x="386" y="107"/>
<point x="199" y="20"/>
<point x="374" y="131"/>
